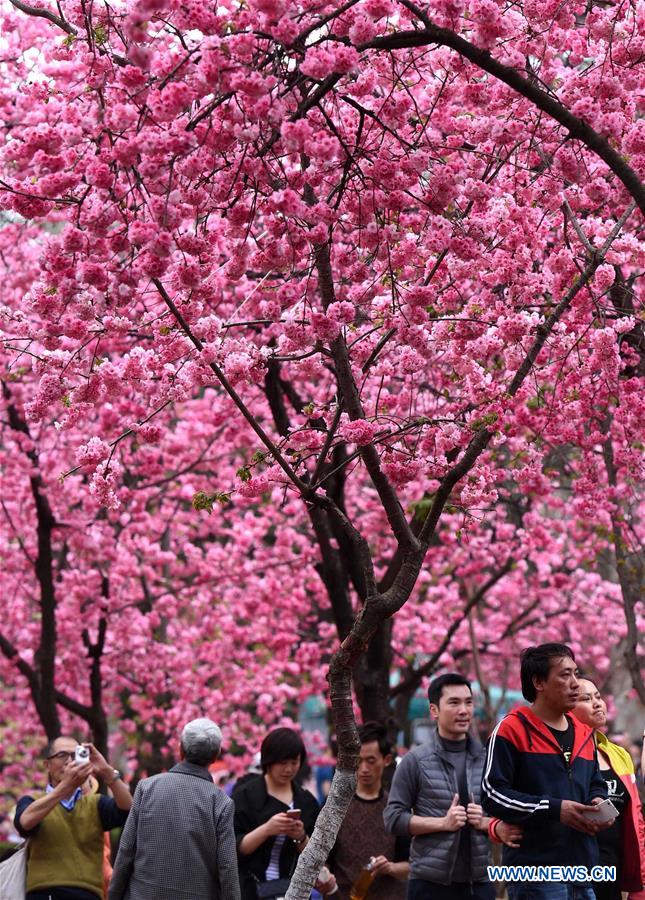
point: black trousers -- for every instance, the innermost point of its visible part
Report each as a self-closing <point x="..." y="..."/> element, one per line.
<point x="428" y="890"/>
<point x="62" y="893"/>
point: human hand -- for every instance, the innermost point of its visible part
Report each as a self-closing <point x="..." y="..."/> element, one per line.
<point x="575" y="816"/>
<point x="279" y="824"/>
<point x="73" y="776"/>
<point x="297" y="831"/>
<point x="475" y="815"/>
<point x="511" y="835"/>
<point x="326" y="883"/>
<point x="456" y="817"/>
<point x="601" y="825"/>
<point x="100" y="766"/>
<point x="381" y="865"/>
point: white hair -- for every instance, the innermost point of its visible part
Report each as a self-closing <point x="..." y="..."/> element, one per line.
<point x="201" y="741"/>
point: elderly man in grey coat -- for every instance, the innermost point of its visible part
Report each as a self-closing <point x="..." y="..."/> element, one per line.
<point x="179" y="839"/>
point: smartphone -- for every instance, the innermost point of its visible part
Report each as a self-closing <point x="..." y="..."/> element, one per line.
<point x="81" y="754"/>
<point x="293" y="813"/>
<point x="606" y="811"/>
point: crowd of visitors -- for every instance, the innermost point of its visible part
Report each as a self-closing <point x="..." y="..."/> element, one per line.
<point x="550" y="787"/>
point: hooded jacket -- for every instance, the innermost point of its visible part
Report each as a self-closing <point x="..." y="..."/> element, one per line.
<point x="525" y="780"/>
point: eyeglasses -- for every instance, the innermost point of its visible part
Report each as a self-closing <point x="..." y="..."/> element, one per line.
<point x="63" y="755"/>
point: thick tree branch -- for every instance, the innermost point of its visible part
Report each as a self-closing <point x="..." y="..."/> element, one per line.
<point x="577" y="127"/>
<point x="11" y="653"/>
<point x="45" y="655"/>
<point x="31" y="676"/>
<point x="631" y="576"/>
<point x="332" y="573"/>
<point x="44" y="14"/>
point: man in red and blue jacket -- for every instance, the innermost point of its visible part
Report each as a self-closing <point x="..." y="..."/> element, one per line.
<point x="542" y="774"/>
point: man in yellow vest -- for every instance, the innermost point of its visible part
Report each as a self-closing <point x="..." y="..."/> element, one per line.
<point x="65" y="826"/>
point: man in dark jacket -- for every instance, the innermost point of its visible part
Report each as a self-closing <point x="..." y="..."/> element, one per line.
<point x="435" y="797"/>
<point x="542" y="774"/>
<point x="179" y="840"/>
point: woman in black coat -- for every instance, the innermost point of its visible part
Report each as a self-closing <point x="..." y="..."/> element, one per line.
<point x="274" y="816"/>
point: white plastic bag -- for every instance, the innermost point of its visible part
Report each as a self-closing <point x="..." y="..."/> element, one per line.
<point x="13" y="875"/>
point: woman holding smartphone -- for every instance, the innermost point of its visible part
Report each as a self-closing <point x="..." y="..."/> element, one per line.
<point x="274" y="817"/>
<point x="623" y="844"/>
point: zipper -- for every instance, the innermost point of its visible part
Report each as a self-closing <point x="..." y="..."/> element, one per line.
<point x="551" y="740"/>
<point x="446" y="764"/>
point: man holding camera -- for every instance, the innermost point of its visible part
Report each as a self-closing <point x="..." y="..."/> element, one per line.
<point x="65" y="826"/>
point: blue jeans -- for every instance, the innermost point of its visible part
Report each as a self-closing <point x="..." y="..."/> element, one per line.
<point x="548" y="890"/>
<point x="418" y="889"/>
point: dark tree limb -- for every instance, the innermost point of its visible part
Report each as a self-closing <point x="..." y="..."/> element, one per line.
<point x="576" y="127"/>
<point x="43" y="685"/>
<point x="44" y="14"/>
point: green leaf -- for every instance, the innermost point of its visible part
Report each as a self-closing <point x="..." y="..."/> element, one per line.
<point x="202" y="500"/>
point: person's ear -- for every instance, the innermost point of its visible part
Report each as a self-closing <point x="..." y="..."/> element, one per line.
<point x="182" y="755"/>
<point x="538" y="683"/>
<point x="388" y="759"/>
<point x="434" y="710"/>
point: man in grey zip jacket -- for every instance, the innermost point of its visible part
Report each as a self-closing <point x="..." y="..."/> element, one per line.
<point x="435" y="798"/>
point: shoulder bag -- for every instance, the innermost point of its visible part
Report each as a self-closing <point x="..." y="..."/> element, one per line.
<point x="13" y="875"/>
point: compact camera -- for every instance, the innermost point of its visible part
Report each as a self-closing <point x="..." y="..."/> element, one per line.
<point x="81" y="754"/>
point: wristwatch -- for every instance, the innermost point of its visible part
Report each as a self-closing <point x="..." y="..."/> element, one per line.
<point x="116" y="775"/>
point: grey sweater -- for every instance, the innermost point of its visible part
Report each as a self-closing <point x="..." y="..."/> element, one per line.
<point x="424" y="784"/>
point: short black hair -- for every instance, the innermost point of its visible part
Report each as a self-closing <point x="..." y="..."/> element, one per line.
<point x="279" y="745"/>
<point x="437" y="685"/>
<point x="46" y="752"/>
<point x="375" y="731"/>
<point x="535" y="662"/>
<point x="48" y="749"/>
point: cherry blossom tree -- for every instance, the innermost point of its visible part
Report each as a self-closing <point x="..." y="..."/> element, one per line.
<point x="366" y="272"/>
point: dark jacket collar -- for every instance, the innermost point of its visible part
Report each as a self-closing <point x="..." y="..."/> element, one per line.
<point x="581" y="732"/>
<point x="256" y="789"/>
<point x="472" y="744"/>
<point x="187" y="768"/>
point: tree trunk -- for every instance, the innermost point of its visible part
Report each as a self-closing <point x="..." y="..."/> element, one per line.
<point x="343" y="783"/>
<point x="372" y="676"/>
